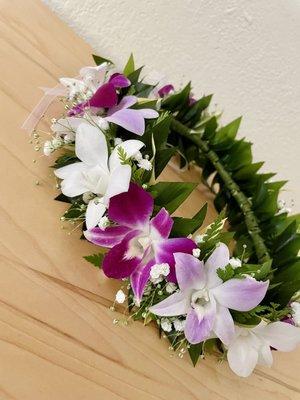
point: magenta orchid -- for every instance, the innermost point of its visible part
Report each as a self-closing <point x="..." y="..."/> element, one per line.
<point x="133" y="120"/>
<point x="165" y="90"/>
<point x="206" y="299"/>
<point x="137" y="242"/>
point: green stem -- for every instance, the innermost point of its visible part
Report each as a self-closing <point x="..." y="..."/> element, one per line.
<point x="242" y="200"/>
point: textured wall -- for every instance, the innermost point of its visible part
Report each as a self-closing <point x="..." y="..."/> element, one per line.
<point x="246" y="52"/>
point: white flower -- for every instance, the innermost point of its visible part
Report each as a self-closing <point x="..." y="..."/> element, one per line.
<point x="252" y="346"/>
<point x="93" y="77"/>
<point x="196" y="253"/>
<point x="103" y="223"/>
<point x="94" y="212"/>
<point x="179" y="325"/>
<point x="86" y="197"/>
<point x="96" y="172"/>
<point x="296" y="313"/>
<point x="145" y="164"/>
<point x="166" y="325"/>
<point x="158" y="272"/>
<point x="235" y="262"/>
<point x="48" y="148"/>
<point x="138" y="156"/>
<point x="199" y="239"/>
<point x="75" y="86"/>
<point x="118" y="141"/>
<point x="57" y="142"/>
<point x="170" y="287"/>
<point x="120" y="296"/>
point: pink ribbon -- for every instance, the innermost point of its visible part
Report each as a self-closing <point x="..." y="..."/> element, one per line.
<point x="40" y="109"/>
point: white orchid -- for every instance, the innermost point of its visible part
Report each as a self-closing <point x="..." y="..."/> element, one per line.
<point x="252" y="346"/>
<point x="91" y="79"/>
<point x="96" y="172"/>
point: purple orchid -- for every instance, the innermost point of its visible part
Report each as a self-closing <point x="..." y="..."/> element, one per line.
<point x="105" y="96"/>
<point x="137" y="242"/>
<point x="206" y="299"/>
<point x="165" y="90"/>
<point x="130" y="119"/>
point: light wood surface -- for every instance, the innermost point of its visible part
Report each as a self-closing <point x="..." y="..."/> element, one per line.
<point x="57" y="339"/>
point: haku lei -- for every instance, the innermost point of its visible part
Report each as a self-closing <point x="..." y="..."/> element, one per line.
<point x="115" y="136"/>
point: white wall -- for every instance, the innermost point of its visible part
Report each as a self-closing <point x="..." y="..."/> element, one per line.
<point x="246" y="52"/>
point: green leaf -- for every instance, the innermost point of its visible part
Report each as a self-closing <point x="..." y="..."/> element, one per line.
<point x="177" y="100"/>
<point x="64" y="160"/>
<point x="247" y="171"/>
<point x="64" y="199"/>
<point x="226" y="273"/>
<point x="225" y="135"/>
<point x="134" y="76"/>
<point x="195" y="110"/>
<point x="171" y="194"/>
<point x="162" y="158"/>
<point x="129" y="67"/>
<point x="95" y="259"/>
<point x="195" y="350"/>
<point x="186" y="226"/>
<point x="100" y="60"/>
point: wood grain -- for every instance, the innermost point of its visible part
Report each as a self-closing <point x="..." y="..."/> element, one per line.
<point x="57" y="339"/>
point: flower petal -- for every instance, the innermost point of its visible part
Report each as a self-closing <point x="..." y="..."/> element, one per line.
<point x="189" y="271"/>
<point x="162" y="223"/>
<point x="218" y="259"/>
<point x="165" y="249"/>
<point x="126" y="102"/>
<point x="240" y="294"/>
<point x="139" y="279"/>
<point x="132" y="208"/>
<point x="198" y="327"/>
<point x="224" y="325"/>
<point x="105" y="96"/>
<point x="130" y="147"/>
<point x="148" y="113"/>
<point x="165" y="90"/>
<point x="68" y="170"/>
<point x="91" y="146"/>
<point x="176" y="304"/>
<point x="242" y="356"/>
<point x="119" y="80"/>
<point x="116" y="264"/>
<point x="109" y="237"/>
<point x="93" y="213"/>
<point x="74" y="185"/>
<point x="119" y="180"/>
<point x="281" y="336"/>
<point x="265" y="356"/>
<point x="129" y="119"/>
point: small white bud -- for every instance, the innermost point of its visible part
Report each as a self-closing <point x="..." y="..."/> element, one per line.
<point x="178" y="325"/>
<point x="120" y="296"/>
<point x="199" y="239"/>
<point x="235" y="262"/>
<point x="196" y="253"/>
<point x="170" y="287"/>
<point x="117" y="141"/>
<point x="103" y="223"/>
<point x="145" y="164"/>
<point x="166" y="325"/>
<point x="48" y="148"/>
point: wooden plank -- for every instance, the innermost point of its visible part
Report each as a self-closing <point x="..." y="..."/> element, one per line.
<point x="57" y="339"/>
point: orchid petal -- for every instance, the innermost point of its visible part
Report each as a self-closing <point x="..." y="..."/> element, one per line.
<point x="165" y="90"/>
<point x="132" y="208"/>
<point x="165" y="249"/>
<point x="116" y="263"/>
<point x="68" y="170"/>
<point x="91" y="146"/>
<point x="218" y="259"/>
<point x="265" y="356"/>
<point x="189" y="271"/>
<point x="240" y="294"/>
<point x="162" y="223"/>
<point x="224" y="325"/>
<point x="109" y="237"/>
<point x="176" y="304"/>
<point x="281" y="336"/>
<point x="139" y="279"/>
<point x="74" y="185"/>
<point x="126" y="102"/>
<point x="105" y="96"/>
<point x="93" y="213"/>
<point x="198" y="327"/>
<point x="148" y="113"/>
<point x="242" y="356"/>
<point x="118" y="181"/>
<point x="119" y="80"/>
<point x="130" y="147"/>
<point x="129" y="119"/>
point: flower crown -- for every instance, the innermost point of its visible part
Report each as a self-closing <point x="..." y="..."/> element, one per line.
<point x="116" y="135"/>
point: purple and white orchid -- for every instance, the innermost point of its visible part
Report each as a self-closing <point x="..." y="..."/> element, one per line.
<point x="133" y="120"/>
<point x="96" y="172"/>
<point x="137" y="242"/>
<point x="251" y="346"/>
<point x="206" y="299"/>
